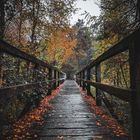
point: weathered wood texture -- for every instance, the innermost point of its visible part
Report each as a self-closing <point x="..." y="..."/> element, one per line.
<point x="122" y="93"/>
<point x="134" y="52"/>
<point x="72" y="118"/>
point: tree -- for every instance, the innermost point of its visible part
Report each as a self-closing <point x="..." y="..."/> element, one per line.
<point x="60" y="46"/>
<point x="83" y="50"/>
<point x="26" y="23"/>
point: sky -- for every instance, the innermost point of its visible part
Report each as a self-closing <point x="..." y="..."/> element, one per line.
<point x="89" y="6"/>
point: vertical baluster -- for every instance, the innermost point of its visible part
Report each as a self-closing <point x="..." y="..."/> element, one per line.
<point x="55" y="79"/>
<point x="134" y="54"/>
<point x="50" y="82"/>
<point x="1" y="71"/>
<point x="88" y="78"/>
<point x="83" y="80"/>
<point x="98" y="79"/>
<point x="58" y="78"/>
<point x="80" y="79"/>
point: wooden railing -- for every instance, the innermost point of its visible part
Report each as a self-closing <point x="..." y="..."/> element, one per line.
<point x="132" y="95"/>
<point x="24" y="78"/>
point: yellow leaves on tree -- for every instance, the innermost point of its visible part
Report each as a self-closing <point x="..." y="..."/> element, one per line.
<point x="60" y="46"/>
<point x="105" y="44"/>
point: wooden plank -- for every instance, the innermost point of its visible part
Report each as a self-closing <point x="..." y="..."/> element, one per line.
<point x="72" y="118"/>
<point x="74" y="132"/>
<point x="109" y="106"/>
<point x="121" y="93"/>
<point x="97" y="137"/>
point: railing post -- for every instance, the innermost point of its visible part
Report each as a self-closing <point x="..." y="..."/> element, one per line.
<point x="134" y="59"/>
<point x="83" y="79"/>
<point x="1" y="71"/>
<point x="58" y="78"/>
<point x="50" y="84"/>
<point x="98" y="79"/>
<point x="55" y="79"/>
<point x="88" y="85"/>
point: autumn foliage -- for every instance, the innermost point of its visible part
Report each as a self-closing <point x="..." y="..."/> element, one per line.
<point x="60" y="46"/>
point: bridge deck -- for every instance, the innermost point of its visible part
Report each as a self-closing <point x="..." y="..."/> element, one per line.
<point x="72" y="118"/>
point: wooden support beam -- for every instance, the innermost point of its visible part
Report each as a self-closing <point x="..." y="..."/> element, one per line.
<point x="12" y="90"/>
<point x="98" y="79"/>
<point x="1" y="69"/>
<point x="88" y="85"/>
<point x="58" y="76"/>
<point x="121" y="93"/>
<point x="55" y="78"/>
<point x="50" y="84"/>
<point x="134" y="57"/>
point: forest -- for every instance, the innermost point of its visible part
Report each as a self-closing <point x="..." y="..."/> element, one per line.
<point x="42" y="29"/>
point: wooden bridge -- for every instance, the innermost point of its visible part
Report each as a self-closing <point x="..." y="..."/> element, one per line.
<point x="71" y="117"/>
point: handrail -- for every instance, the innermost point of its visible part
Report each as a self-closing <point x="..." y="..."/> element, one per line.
<point x="121" y="93"/>
<point x="132" y="95"/>
<point x="7" y="91"/>
<point x="9" y="49"/>
<point x="15" y="52"/>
